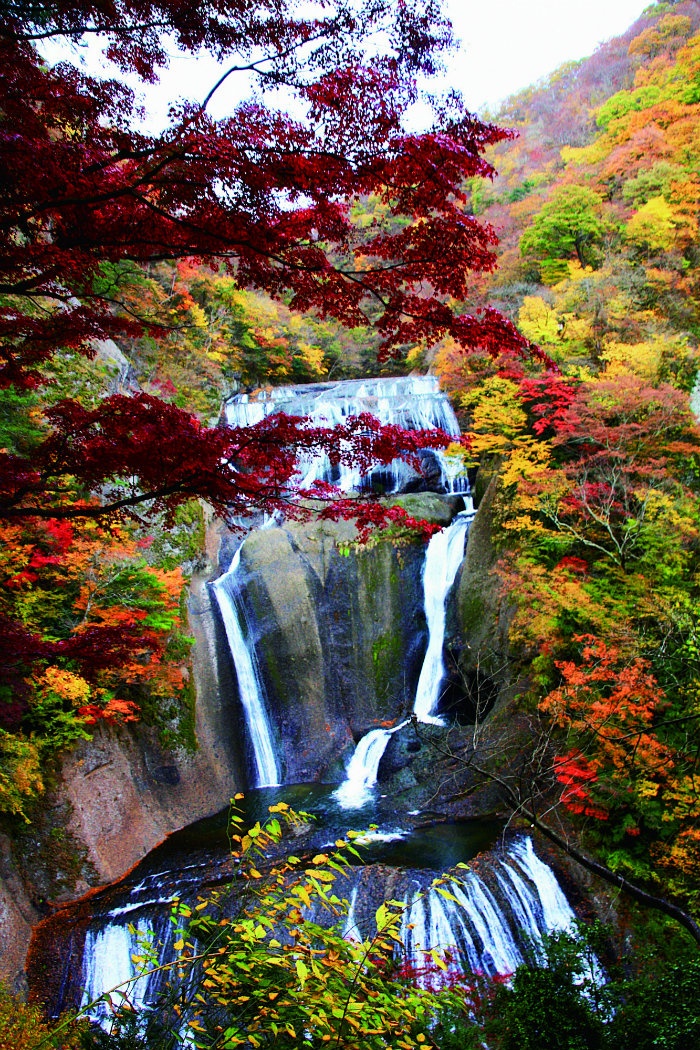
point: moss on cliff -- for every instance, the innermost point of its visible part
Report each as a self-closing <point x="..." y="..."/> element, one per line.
<point x="387" y="658"/>
<point x="428" y="506"/>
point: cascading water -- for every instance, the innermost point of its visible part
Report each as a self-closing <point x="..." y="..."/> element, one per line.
<point x="442" y="561"/>
<point x="487" y="922"/>
<point x="413" y="402"/>
<point x="555" y="907"/>
<point x="474" y="929"/>
<point x="361" y="777"/>
<point x="443" y="558"/>
<point x="228" y="595"/>
<point x="110" y="974"/>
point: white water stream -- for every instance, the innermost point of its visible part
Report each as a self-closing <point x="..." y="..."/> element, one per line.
<point x="479" y="931"/>
<point x="228" y="596"/>
<point x="362" y="772"/>
<point x="426" y="407"/>
<point x="487" y="923"/>
<point x="442" y="561"/>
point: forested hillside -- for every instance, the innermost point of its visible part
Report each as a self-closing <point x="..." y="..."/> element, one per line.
<point x="596" y="506"/>
<point x="596" y="201"/>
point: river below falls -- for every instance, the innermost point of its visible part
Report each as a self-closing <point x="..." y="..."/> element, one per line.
<point x="507" y="898"/>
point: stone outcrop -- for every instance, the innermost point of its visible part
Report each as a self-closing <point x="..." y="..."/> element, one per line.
<point x="116" y="796"/>
<point x="339" y="632"/>
<point x="479" y="621"/>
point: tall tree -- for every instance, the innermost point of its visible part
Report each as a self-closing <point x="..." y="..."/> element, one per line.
<point x="264" y="194"/>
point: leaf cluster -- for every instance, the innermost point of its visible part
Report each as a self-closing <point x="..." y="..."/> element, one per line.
<point x="266" y="963"/>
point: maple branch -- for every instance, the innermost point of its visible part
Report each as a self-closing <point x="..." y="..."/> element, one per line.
<point x="661" y="904"/>
<point x="98" y="510"/>
<point x="253" y="67"/>
<point x="564" y="526"/>
<point x="523" y="804"/>
<point x="112" y="28"/>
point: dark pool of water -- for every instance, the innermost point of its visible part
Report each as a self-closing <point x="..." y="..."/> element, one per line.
<point x="412" y="840"/>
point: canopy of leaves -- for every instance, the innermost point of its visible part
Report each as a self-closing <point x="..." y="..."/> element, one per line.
<point x="597" y="510"/>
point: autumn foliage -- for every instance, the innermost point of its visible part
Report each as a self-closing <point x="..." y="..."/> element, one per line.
<point x="266" y="194"/>
<point x="595" y="507"/>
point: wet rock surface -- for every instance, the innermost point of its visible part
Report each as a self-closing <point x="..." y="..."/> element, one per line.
<point x="339" y="633"/>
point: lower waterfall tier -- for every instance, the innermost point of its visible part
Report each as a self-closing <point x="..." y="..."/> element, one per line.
<point x="506" y="898"/>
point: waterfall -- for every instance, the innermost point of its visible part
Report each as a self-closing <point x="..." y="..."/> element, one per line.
<point x="350" y="931"/>
<point x="557" y="912"/>
<point x="487" y="921"/>
<point x="442" y="561"/>
<point x="228" y="595"/>
<point x="454" y="479"/>
<point x="108" y="964"/>
<point x="472" y="930"/>
<point x="413" y="402"/>
<point x="111" y="964"/>
<point x="362" y="772"/>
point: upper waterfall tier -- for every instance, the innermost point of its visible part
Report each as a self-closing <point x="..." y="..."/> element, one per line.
<point x="413" y="402"/>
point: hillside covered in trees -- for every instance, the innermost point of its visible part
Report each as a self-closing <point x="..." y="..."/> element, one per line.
<point x="549" y="276"/>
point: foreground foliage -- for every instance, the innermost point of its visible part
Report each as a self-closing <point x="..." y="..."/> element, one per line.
<point x="265" y="962"/>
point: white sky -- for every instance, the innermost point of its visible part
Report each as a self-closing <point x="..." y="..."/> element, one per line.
<point x="506" y="45"/>
<point x="509" y="44"/>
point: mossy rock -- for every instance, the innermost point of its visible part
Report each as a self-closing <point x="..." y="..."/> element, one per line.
<point x="429" y="506"/>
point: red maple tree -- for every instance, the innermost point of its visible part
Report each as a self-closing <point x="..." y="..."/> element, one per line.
<point x="265" y="195"/>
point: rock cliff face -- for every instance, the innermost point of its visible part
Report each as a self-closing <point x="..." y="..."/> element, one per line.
<point x="115" y="797"/>
<point x="480" y="618"/>
<point x="339" y="637"/>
